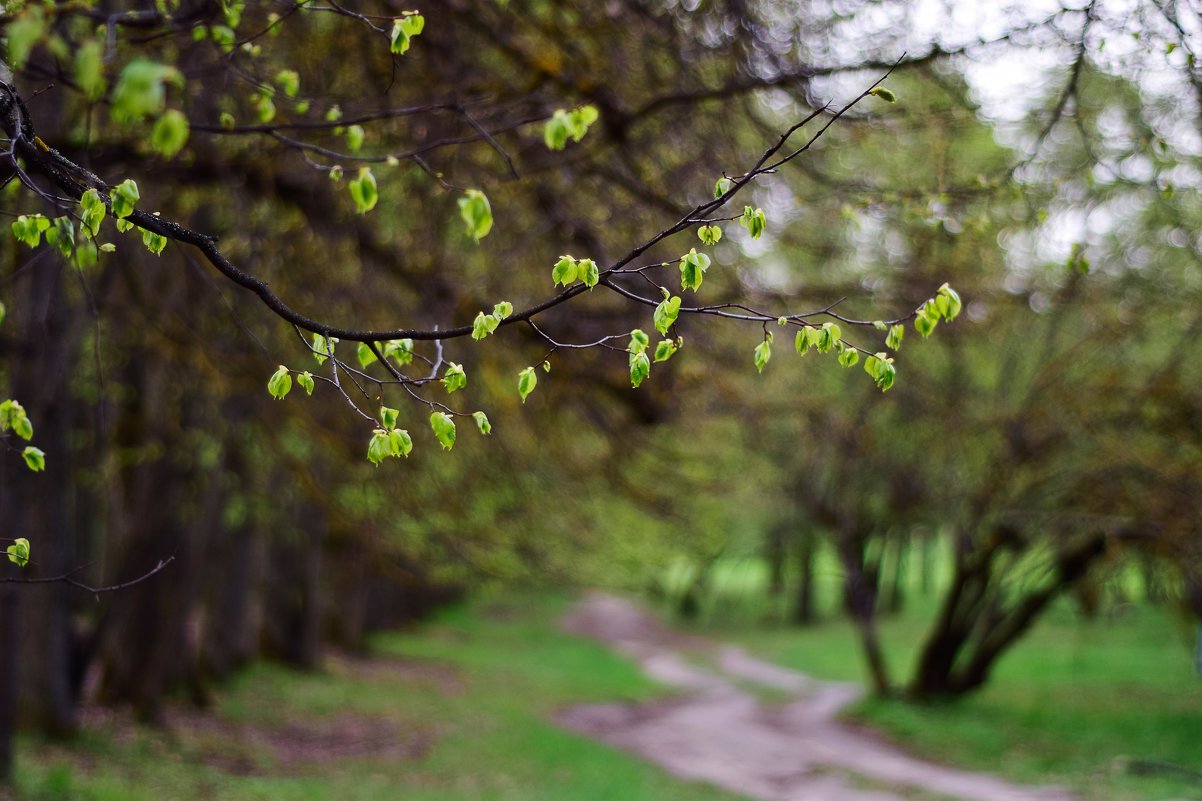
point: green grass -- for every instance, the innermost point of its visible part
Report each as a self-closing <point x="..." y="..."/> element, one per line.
<point x="481" y="684"/>
<point x="1068" y="705"/>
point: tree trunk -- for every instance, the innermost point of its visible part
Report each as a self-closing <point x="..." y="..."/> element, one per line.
<point x="805" y="612"/>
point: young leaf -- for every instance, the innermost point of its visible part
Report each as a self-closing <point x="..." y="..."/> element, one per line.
<point x="754" y="221"/>
<point x="588" y="273"/>
<point x="91" y="211"/>
<point x="280" y="383"/>
<point x="153" y="242"/>
<point x="289" y="81"/>
<point x="883" y="94"/>
<point x="665" y="314"/>
<point x="894" y="339"/>
<point x="828" y="335"/>
<point x="709" y="234"/>
<point x="949" y="302"/>
<point x="722" y="186"/>
<point x="565" y="271"/>
<point x="364" y="354"/>
<point x="140" y="90"/>
<point x="640" y="368"/>
<point x="305" y="380"/>
<point x="18" y="552"/>
<point x="454" y="378"/>
<point x="321" y="347"/>
<point x="807" y="338"/>
<point x="35" y="459"/>
<point x="400" y="443"/>
<point x="763" y="352"/>
<point x="89" y="68"/>
<point x="379" y="447"/>
<point x="483" y="325"/>
<point x="692" y="269"/>
<point x="124" y="197"/>
<point x="638" y="341"/>
<point x="444" y="429"/>
<point x="482" y="423"/>
<point x="363" y="191"/>
<point x="354" y="138"/>
<point x="476" y="212"/>
<point x="170" y="133"/>
<point x="849" y="357"/>
<point x="527" y="381"/>
<point x="388" y="418"/>
<point x="502" y="310"/>
<point x="665" y="349"/>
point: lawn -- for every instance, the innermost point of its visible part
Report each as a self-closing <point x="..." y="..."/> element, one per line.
<point x="459" y="709"/>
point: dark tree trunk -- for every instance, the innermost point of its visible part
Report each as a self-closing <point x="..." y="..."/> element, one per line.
<point x="805" y="612"/>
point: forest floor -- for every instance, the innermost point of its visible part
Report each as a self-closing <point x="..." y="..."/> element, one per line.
<point x="723" y="730"/>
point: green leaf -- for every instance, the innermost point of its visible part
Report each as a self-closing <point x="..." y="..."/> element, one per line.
<point x="881" y="368"/>
<point x="23" y="34"/>
<point x="828" y="336"/>
<point x="502" y="310"/>
<point x="894" y="339"/>
<point x="21" y="425"/>
<point x="454" y="378"/>
<point x="322" y="347"/>
<point x="883" y="94"/>
<point x="3" y="312"/>
<point x="949" y="302"/>
<point x="91" y="211"/>
<point x="89" y="68"/>
<point x="379" y="447"/>
<point x="556" y="131"/>
<point x="763" y="352"/>
<point x="754" y="221"/>
<point x="388" y="418"/>
<point x="62" y="235"/>
<point x="170" y="133"/>
<point x="399" y="442"/>
<point x="640" y="368"/>
<point x="280" y="383"/>
<point x="140" y="91"/>
<point x="363" y="191"/>
<point x="709" y="234"/>
<point x="476" y="212"/>
<point x="527" y="381"/>
<point x="927" y="319"/>
<point x="665" y="349"/>
<point x="153" y="242"/>
<point x="364" y="354"/>
<point x="565" y="271"/>
<point x="806" y="338"/>
<point x="588" y="272"/>
<point x="18" y="552"/>
<point x="444" y="429"/>
<point x="264" y="104"/>
<point x="484" y="324"/>
<point x="482" y="423"/>
<point x="399" y="350"/>
<point x="34" y="458"/>
<point x="354" y="138"/>
<point x="403" y="31"/>
<point x="305" y="380"/>
<point x="665" y="314"/>
<point x="722" y="186"/>
<point x="638" y="341"/>
<point x="124" y="197"/>
<point x="289" y="81"/>
<point x="692" y="269"/>
<point x="849" y="357"/>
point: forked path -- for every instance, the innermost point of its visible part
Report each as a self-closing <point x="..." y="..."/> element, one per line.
<point x="717" y="730"/>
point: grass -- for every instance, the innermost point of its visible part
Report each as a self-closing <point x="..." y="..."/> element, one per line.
<point x="479" y="685"/>
<point x="1072" y="704"/>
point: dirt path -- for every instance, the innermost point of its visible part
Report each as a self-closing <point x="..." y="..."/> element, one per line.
<point x="720" y="731"/>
